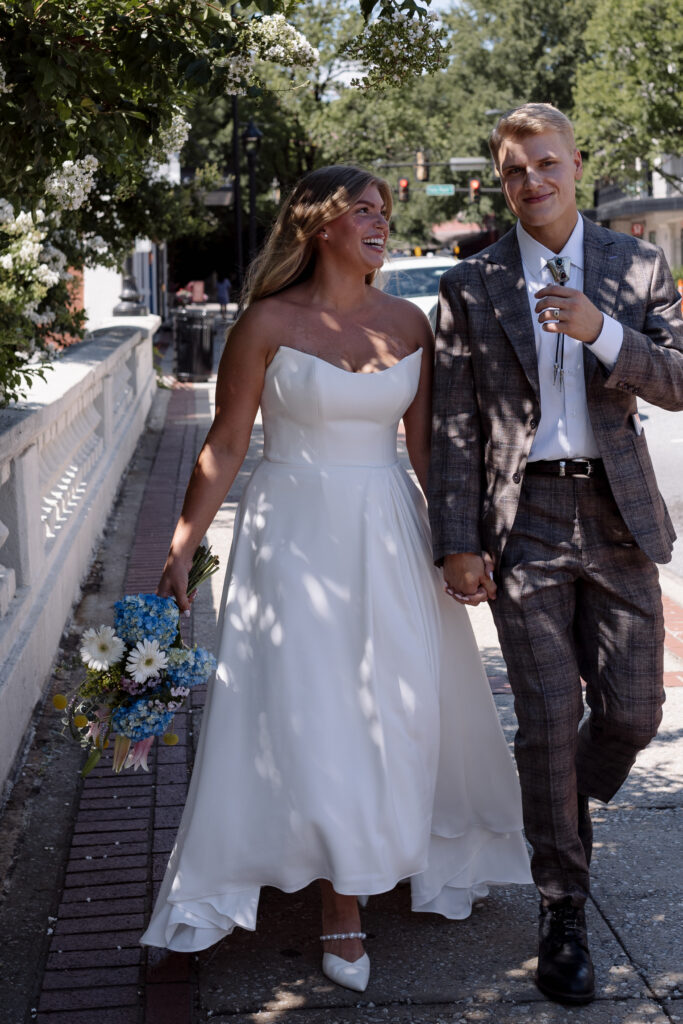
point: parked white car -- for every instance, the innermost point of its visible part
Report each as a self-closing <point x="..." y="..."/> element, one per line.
<point x="415" y="278"/>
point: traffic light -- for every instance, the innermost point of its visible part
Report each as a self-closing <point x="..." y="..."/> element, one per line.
<point x="403" y="190"/>
<point x="475" y="190"/>
<point x="421" y="166"/>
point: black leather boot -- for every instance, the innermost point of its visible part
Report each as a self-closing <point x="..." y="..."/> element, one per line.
<point x="565" y="970"/>
<point x="585" y="827"/>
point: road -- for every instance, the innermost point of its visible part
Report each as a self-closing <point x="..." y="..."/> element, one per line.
<point x="664" y="432"/>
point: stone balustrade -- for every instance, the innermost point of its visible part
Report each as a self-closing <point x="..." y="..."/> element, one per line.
<point x="63" y="451"/>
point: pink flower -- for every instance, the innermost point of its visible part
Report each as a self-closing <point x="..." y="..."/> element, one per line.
<point x="98" y="725"/>
<point x="137" y="755"/>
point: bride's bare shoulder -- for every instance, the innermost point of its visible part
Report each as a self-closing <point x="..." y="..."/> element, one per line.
<point x="403" y="319"/>
<point x="259" y="321"/>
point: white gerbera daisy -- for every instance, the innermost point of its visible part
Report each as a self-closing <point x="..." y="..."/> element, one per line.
<point x="101" y="648"/>
<point x="146" y="660"/>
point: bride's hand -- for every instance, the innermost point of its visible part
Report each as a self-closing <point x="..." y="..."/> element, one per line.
<point x="173" y="583"/>
<point x="468" y="578"/>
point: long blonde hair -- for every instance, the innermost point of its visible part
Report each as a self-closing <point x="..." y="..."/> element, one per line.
<point x="290" y="251"/>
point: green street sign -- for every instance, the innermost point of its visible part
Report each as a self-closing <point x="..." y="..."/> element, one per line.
<point x="440" y="190"/>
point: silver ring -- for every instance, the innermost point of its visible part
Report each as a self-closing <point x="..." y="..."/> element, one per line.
<point x="554" y="312"/>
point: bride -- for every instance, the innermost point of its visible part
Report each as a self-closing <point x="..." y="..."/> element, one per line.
<point x="350" y="735"/>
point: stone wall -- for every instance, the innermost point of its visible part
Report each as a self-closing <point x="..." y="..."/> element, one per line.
<point x="63" y="451"/>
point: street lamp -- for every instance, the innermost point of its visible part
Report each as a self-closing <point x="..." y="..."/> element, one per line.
<point x="251" y="140"/>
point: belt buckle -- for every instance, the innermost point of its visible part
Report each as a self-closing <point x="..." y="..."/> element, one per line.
<point x="587" y="464"/>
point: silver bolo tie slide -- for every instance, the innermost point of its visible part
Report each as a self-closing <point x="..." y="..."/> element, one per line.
<point x="559" y="267"/>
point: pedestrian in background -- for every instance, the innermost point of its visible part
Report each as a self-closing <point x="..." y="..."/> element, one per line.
<point x="223" y="288"/>
<point x="544" y="341"/>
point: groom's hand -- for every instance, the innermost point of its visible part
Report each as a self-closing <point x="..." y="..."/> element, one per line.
<point x="468" y="578"/>
<point x="577" y="316"/>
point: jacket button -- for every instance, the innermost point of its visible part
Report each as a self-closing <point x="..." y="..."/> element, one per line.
<point x="516" y="478"/>
<point x="533" y="424"/>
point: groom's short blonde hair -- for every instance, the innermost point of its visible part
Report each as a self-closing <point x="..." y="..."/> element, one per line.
<point x="530" y="119"/>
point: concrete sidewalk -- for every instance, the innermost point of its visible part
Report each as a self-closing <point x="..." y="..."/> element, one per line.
<point x="81" y="860"/>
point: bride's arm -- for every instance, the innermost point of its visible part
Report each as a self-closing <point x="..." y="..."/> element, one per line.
<point x="417" y="419"/>
<point x="238" y="392"/>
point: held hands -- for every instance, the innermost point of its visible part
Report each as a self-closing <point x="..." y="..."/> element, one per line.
<point x="468" y="578"/>
<point x="567" y="311"/>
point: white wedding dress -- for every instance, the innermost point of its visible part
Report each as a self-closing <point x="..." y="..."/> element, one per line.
<point x="350" y="732"/>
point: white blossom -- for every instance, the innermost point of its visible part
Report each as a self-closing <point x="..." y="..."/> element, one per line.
<point x="30" y="265"/>
<point x="42" y="319"/>
<point x="4" y="87"/>
<point x="239" y="69"/>
<point x="174" y="136"/>
<point x="6" y="212"/>
<point x="70" y="185"/>
<point x="274" y="39"/>
<point x="101" y="648"/>
<point x="145" y="660"/>
<point x="44" y="275"/>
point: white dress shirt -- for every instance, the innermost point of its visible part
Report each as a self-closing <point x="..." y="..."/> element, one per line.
<point x="564" y="430"/>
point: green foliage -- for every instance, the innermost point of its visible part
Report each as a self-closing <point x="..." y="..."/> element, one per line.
<point x="519" y="51"/>
<point x="498" y="57"/>
<point x="91" y="76"/>
<point x="630" y="86"/>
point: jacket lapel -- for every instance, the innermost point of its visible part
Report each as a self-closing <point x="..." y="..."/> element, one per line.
<point x="507" y="291"/>
<point x="602" y="274"/>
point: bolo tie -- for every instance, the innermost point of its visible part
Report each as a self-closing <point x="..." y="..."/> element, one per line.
<point x="559" y="267"/>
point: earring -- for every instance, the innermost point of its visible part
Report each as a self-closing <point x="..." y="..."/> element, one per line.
<point x="324" y="234"/>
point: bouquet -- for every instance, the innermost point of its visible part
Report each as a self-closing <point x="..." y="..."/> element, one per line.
<point x="138" y="674"/>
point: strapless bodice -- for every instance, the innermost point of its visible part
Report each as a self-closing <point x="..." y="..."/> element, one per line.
<point x="317" y="414"/>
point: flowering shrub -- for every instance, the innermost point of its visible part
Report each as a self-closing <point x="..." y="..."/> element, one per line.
<point x="138" y="674"/>
<point x="396" y="46"/>
<point x="91" y="152"/>
<point x="33" y="285"/>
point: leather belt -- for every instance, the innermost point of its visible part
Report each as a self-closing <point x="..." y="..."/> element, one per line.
<point x="566" y="467"/>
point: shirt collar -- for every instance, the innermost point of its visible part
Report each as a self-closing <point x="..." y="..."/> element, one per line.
<point x="534" y="255"/>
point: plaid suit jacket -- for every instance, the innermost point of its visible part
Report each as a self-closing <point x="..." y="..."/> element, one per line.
<point x="486" y="404"/>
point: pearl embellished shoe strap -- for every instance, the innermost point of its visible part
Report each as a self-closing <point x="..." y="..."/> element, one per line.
<point x="343" y="935"/>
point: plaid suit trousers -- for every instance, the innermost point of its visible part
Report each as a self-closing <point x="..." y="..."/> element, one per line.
<point x="577" y="599"/>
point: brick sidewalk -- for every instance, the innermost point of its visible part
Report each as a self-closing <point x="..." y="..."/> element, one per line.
<point x="96" y="969"/>
<point x="125" y="825"/>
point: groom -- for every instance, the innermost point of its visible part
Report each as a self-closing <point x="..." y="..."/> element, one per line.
<point x="539" y="458"/>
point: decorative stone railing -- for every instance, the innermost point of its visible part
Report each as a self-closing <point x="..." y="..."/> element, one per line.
<point x="63" y="452"/>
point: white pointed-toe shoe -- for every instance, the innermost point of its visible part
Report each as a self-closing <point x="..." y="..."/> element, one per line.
<point x="349" y="974"/>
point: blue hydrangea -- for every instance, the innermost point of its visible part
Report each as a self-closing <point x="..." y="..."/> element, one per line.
<point x="146" y="617"/>
<point x="189" y="667"/>
<point x="140" y="720"/>
<point x="204" y="665"/>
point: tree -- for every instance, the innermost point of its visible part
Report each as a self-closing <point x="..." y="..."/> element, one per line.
<point x="500" y="55"/>
<point x="92" y="95"/>
<point x="629" y="91"/>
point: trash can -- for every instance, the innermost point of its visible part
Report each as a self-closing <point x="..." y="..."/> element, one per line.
<point x="193" y="344"/>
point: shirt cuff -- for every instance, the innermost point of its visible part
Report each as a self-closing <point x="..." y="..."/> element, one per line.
<point x="607" y="345"/>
